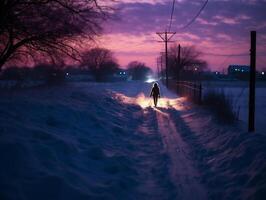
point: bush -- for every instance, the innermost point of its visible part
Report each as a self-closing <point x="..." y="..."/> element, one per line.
<point x="138" y="70"/>
<point x="101" y="63"/>
<point x="48" y="73"/>
<point x="43" y="72"/>
<point x="13" y="73"/>
<point x="222" y="105"/>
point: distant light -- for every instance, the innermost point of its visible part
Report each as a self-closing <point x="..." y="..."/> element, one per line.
<point x="124" y="72"/>
<point x="242" y="70"/>
<point x="216" y="72"/>
<point x="150" y="80"/>
<point x="196" y="69"/>
<point x="67" y="74"/>
<point x="235" y="69"/>
<point x="262" y="73"/>
<point x="120" y="72"/>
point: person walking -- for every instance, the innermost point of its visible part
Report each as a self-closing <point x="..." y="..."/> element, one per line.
<point x="155" y="93"/>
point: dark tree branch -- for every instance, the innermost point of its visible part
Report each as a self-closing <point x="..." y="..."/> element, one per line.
<point x="46" y="26"/>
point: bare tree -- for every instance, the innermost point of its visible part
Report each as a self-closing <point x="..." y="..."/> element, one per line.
<point x="53" y="28"/>
<point x="138" y="70"/>
<point x="190" y="60"/>
<point x="100" y="62"/>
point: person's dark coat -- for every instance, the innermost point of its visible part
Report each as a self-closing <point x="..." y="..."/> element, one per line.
<point x="155" y="91"/>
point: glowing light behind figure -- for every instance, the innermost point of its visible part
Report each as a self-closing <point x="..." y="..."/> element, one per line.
<point x="145" y="102"/>
<point x="150" y="80"/>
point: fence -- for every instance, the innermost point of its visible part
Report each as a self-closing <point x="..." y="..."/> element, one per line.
<point x="191" y="90"/>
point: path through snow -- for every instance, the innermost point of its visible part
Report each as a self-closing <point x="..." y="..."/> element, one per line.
<point x="182" y="171"/>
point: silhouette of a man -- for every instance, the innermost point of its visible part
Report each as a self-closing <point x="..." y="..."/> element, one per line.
<point x="155" y="93"/>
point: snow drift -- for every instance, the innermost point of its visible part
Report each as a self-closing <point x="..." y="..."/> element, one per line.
<point x="98" y="141"/>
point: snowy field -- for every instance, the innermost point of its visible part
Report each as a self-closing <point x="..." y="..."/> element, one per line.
<point x="106" y="141"/>
<point x="12" y="84"/>
<point x="238" y="92"/>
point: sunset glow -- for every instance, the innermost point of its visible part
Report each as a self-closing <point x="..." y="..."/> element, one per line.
<point x="221" y="33"/>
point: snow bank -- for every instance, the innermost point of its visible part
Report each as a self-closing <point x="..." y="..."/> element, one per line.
<point x="78" y="142"/>
<point x="98" y="141"/>
<point x="238" y="92"/>
<point x="232" y="162"/>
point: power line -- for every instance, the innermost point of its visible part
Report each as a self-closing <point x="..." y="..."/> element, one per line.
<point x="225" y="60"/>
<point x="196" y="16"/>
<point x="172" y="12"/>
<point x="225" y="55"/>
<point x="166" y="37"/>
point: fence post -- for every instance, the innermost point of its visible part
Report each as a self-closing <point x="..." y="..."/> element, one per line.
<point x="252" y="80"/>
<point x="195" y="92"/>
<point x="183" y="90"/>
<point x="200" y="93"/>
<point x="180" y="88"/>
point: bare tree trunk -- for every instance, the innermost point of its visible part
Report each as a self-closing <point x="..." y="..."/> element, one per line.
<point x="4" y="57"/>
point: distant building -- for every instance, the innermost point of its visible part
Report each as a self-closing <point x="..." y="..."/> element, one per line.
<point x="238" y="71"/>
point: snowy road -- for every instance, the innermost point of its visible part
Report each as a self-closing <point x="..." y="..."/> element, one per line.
<point x="106" y="141"/>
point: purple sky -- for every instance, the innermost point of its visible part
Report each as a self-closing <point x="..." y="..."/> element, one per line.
<point x="222" y="28"/>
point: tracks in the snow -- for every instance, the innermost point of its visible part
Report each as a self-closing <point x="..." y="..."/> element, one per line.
<point x="183" y="174"/>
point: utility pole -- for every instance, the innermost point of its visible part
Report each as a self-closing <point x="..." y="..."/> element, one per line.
<point x="161" y="57"/>
<point x="158" y="70"/>
<point x="161" y="64"/>
<point x="252" y="81"/>
<point x="166" y="36"/>
<point x="178" y="62"/>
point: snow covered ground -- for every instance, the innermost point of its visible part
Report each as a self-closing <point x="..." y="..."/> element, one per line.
<point x="106" y="141"/>
<point x="238" y="91"/>
<point x="13" y="84"/>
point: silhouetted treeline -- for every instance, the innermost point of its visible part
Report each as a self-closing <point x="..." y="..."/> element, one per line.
<point x="186" y="67"/>
<point x="138" y="70"/>
<point x="100" y="62"/>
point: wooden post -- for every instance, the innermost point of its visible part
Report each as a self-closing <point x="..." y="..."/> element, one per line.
<point x="195" y="93"/>
<point x="200" y="93"/>
<point x="166" y="59"/>
<point x="158" y="71"/>
<point x="178" y="63"/>
<point x="252" y="81"/>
